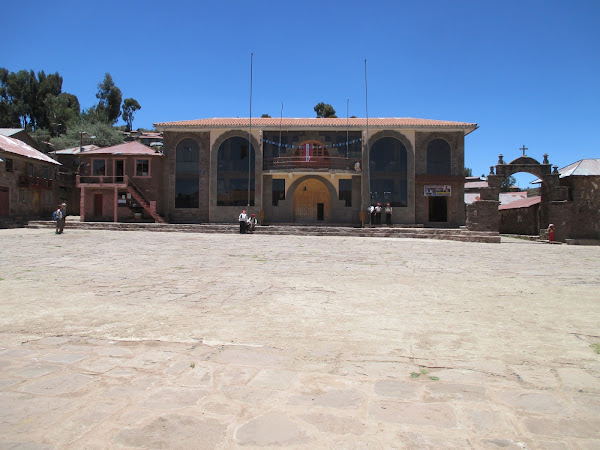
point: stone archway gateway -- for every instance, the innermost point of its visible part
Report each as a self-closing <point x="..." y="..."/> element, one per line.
<point x="312" y="203"/>
<point x="483" y="215"/>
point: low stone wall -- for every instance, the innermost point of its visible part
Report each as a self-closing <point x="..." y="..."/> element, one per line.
<point x="483" y="216"/>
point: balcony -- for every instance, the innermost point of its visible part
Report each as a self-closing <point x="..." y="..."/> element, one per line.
<point x="319" y="164"/>
<point x="102" y="181"/>
<point x="35" y="182"/>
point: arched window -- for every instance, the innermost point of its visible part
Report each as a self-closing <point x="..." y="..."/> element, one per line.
<point x="232" y="173"/>
<point x="187" y="174"/>
<point x="388" y="169"/>
<point x="439" y="158"/>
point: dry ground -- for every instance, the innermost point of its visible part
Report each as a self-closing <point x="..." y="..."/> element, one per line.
<point x="138" y="339"/>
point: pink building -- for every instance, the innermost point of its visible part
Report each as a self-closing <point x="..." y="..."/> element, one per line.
<point x="121" y="183"/>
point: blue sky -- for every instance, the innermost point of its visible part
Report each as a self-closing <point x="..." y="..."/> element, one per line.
<point x="526" y="71"/>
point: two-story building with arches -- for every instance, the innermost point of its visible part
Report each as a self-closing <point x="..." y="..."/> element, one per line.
<point x="313" y="170"/>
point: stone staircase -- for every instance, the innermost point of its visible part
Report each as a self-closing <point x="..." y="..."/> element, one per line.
<point x="416" y="232"/>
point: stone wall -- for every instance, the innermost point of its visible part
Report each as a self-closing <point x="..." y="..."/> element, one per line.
<point x="584" y="192"/>
<point x="520" y="221"/>
<point x="185" y="215"/>
<point x="483" y="216"/>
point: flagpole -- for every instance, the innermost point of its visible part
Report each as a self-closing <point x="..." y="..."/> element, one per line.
<point x="250" y="130"/>
<point x="368" y="165"/>
<point x="347" y="125"/>
<point x="280" y="123"/>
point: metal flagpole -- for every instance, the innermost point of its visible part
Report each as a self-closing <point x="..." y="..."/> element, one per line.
<point x="347" y="125"/>
<point x="368" y="165"/>
<point x="280" y="123"/>
<point x="250" y="130"/>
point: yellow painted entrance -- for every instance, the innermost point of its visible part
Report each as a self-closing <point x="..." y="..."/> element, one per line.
<point x="311" y="202"/>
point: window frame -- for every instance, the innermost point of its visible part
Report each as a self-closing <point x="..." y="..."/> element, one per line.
<point x="148" y="173"/>
<point x="93" y="168"/>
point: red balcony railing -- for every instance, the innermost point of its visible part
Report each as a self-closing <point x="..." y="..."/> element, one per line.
<point x="312" y="163"/>
<point x="101" y="180"/>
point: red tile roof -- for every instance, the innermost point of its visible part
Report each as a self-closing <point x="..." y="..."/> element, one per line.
<point x="128" y="148"/>
<point x="523" y="203"/>
<point x="272" y="122"/>
<point x="20" y="148"/>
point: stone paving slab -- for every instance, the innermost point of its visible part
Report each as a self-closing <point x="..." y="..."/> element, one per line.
<point x="169" y="341"/>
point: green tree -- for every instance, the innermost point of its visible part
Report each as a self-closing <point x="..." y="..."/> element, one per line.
<point x="105" y="135"/>
<point x="130" y="105"/>
<point x="325" y="110"/>
<point x="109" y="96"/>
<point x="61" y="110"/>
<point x="467" y="172"/>
<point x="265" y="116"/>
<point x="507" y="184"/>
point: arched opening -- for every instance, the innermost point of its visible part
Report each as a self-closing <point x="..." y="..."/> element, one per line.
<point x="388" y="172"/>
<point x="187" y="174"/>
<point x="232" y="173"/>
<point x="439" y="157"/>
<point x="312" y="203"/>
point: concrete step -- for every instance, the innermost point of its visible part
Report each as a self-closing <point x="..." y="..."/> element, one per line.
<point x="393" y="232"/>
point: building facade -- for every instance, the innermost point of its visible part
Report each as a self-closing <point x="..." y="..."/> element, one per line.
<point x="314" y="171"/>
<point x="27" y="182"/>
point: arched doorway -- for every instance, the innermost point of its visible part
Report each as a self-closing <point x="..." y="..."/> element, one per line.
<point x="311" y="202"/>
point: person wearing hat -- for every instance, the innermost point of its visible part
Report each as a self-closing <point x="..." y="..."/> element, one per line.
<point x="388" y="214"/>
<point x="378" y="214"/>
<point x="252" y="223"/>
<point x="243" y="219"/>
<point x="551" y="233"/>
<point x="62" y="219"/>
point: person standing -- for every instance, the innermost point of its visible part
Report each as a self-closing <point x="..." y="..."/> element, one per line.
<point x="63" y="218"/>
<point x="551" y="233"/>
<point x="388" y="214"/>
<point x="58" y="214"/>
<point x="378" y="214"/>
<point x="243" y="219"/>
<point x="371" y="211"/>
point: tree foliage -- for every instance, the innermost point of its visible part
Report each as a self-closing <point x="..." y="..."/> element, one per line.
<point x="34" y="102"/>
<point x="265" y="116"/>
<point x="105" y="135"/>
<point x="507" y="184"/>
<point x="109" y="96"/>
<point x="325" y="110"/>
<point x="467" y="172"/>
<point x="130" y="105"/>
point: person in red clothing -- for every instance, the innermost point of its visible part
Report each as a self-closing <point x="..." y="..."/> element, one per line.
<point x="551" y="233"/>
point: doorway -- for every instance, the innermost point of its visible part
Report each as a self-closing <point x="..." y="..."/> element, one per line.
<point x="119" y="170"/>
<point x="311" y="202"/>
<point x="3" y="201"/>
<point x="97" y="205"/>
<point x="438" y="209"/>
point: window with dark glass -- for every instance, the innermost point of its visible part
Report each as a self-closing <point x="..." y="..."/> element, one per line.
<point x="99" y="167"/>
<point x="346" y="191"/>
<point x="45" y="172"/>
<point x="142" y="167"/>
<point x="30" y="171"/>
<point x="9" y="165"/>
<point x="235" y="173"/>
<point x="187" y="174"/>
<point x="388" y="172"/>
<point x="439" y="158"/>
<point x="278" y="191"/>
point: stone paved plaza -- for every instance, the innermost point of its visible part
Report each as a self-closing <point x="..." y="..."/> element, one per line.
<point x="178" y="340"/>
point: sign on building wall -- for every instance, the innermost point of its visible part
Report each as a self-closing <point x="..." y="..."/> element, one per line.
<point x="438" y="190"/>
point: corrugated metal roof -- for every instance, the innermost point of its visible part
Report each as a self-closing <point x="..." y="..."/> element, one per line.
<point x="20" y="148"/>
<point x="272" y="122"/>
<point x="476" y="184"/>
<point x="583" y="167"/>
<point x="10" y="131"/>
<point x="74" y="150"/>
<point x="128" y="148"/>
<point x="509" y="197"/>
<point x="523" y="203"/>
